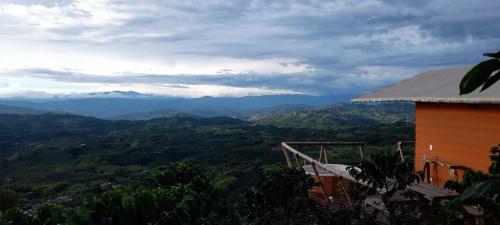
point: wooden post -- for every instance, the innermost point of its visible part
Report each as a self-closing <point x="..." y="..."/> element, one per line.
<point x="435" y="172"/>
<point x="453" y="173"/>
<point x="320" y="182"/>
<point x="342" y="184"/>
<point x="427" y="172"/>
<point x="325" y="156"/>
<point x="400" y="152"/>
<point x="297" y="160"/>
<point x="288" y="162"/>
<point x="361" y="151"/>
<point x="320" y="153"/>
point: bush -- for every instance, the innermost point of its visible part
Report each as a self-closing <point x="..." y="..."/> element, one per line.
<point x="8" y="199"/>
<point x="176" y="173"/>
<point x="282" y="197"/>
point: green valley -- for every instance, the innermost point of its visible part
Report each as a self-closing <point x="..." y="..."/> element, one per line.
<point x="49" y="155"/>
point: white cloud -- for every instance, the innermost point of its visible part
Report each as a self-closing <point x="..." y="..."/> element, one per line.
<point x="81" y="13"/>
<point x="39" y="88"/>
<point x="411" y="35"/>
<point x="27" y="55"/>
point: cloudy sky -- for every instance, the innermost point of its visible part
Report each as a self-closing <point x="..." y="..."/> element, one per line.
<point x="194" y="48"/>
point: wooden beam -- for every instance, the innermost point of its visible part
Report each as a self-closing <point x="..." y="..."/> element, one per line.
<point x="318" y="164"/>
<point x="288" y="162"/>
<point x="320" y="182"/>
<point x="323" y="143"/>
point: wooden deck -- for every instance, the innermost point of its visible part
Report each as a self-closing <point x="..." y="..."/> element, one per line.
<point x="431" y="192"/>
<point x="320" y="168"/>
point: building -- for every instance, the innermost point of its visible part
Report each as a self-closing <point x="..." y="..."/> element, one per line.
<point x="453" y="132"/>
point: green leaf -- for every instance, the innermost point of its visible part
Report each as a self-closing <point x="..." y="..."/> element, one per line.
<point x="478" y="75"/>
<point x="478" y="191"/>
<point x="12" y="214"/>
<point x="493" y="55"/>
<point x="128" y="204"/>
<point x="491" y="81"/>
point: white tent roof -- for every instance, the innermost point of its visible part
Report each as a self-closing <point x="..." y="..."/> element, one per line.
<point x="433" y="86"/>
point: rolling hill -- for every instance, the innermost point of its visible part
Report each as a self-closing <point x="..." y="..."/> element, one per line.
<point x="47" y="155"/>
<point x="337" y="116"/>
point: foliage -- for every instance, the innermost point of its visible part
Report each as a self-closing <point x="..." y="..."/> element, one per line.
<point x="387" y="173"/>
<point x="483" y="74"/>
<point x="47" y="155"/>
<point x="8" y="199"/>
<point x="51" y="155"/>
<point x="281" y="197"/>
<point x="338" y="116"/>
<point x="469" y="178"/>
<point x="181" y="201"/>
<point x="13" y="216"/>
<point x="185" y="194"/>
<point x="385" y="170"/>
<point x="177" y="173"/>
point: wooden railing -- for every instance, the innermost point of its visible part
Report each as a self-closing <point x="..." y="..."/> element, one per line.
<point x="453" y="169"/>
<point x="399" y="148"/>
<point x="302" y="159"/>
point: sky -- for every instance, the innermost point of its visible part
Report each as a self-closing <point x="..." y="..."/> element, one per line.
<point x="194" y="48"/>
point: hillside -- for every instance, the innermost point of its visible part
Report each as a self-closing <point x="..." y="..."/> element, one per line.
<point x="49" y="155"/>
<point x="4" y="109"/>
<point x="338" y="116"/>
<point x="145" y="115"/>
<point x="170" y="113"/>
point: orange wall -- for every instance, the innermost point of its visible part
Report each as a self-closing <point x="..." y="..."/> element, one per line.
<point x="459" y="133"/>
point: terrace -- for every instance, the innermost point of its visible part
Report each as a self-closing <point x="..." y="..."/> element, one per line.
<point x="335" y="183"/>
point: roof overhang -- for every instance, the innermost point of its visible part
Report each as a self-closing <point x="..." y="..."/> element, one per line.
<point x="436" y="100"/>
<point x="440" y="86"/>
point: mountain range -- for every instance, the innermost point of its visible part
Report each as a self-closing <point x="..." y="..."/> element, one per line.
<point x="4" y="109"/>
<point x="133" y="105"/>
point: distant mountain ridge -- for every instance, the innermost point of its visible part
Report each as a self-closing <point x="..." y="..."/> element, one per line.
<point x="136" y="103"/>
<point x="18" y="110"/>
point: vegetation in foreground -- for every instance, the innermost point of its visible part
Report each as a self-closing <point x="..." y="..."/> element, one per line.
<point x="182" y="193"/>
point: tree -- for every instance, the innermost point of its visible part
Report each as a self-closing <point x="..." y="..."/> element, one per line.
<point x="483" y="74"/>
<point x="281" y="197"/>
<point x="8" y="199"/>
<point x="386" y="173"/>
<point x="176" y="173"/>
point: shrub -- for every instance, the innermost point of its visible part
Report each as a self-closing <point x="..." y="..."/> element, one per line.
<point x="8" y="199"/>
